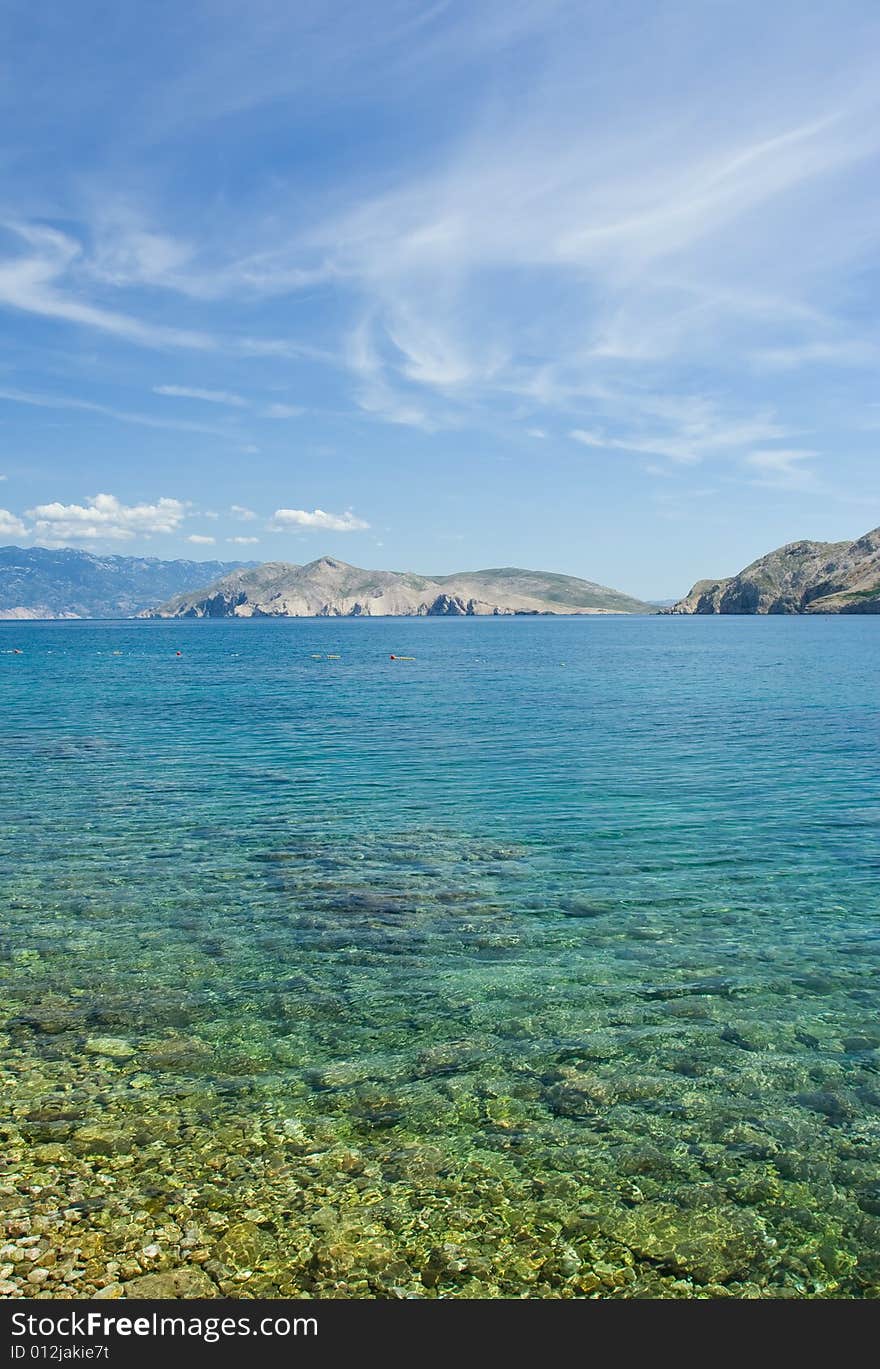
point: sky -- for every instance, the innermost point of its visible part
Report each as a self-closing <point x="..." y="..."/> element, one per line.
<point x="588" y="286"/>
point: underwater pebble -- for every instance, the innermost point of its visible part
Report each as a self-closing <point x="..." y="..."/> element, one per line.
<point x="110" y="1290"/>
<point x="114" y="1047"/>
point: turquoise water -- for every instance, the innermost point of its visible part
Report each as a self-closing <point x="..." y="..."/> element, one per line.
<point x="544" y="964"/>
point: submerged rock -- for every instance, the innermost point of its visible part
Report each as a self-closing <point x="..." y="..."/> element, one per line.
<point x="177" y="1053"/>
<point x="114" y="1047"/>
<point x="100" y="1139"/>
<point x="581" y="906"/>
<point x="578" y="1094"/>
<point x="189" y="1282"/>
<point x="830" y="1103"/>
<point x="708" y="1246"/>
<point x="245" y="1246"/>
<point x="110" y="1290"/>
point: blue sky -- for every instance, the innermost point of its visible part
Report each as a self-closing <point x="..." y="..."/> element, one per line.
<point x="589" y="287"/>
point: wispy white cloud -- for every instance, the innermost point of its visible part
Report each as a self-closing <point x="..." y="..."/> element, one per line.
<point x="29" y="283"/>
<point x="282" y="411"/>
<point x="44" y="401"/>
<point x="234" y="401"/>
<point x="823" y="354"/>
<point x="104" y="516"/>
<point x="126" y="251"/>
<point x="231" y="400"/>
<point x="615" y="240"/>
<point x="589" y="439"/>
<point x="239" y="511"/>
<point x="243" y="541"/>
<point x="54" y="278"/>
<point x="783" y="468"/>
<point x="200" y="540"/>
<point x="694" y="429"/>
<point x="283" y="520"/>
<point x="651" y="237"/>
<point x="374" y="393"/>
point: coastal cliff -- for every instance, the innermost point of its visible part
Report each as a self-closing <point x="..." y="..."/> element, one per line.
<point x="802" y="577"/>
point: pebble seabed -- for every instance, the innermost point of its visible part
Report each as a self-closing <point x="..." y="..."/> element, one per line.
<point x="363" y="1090"/>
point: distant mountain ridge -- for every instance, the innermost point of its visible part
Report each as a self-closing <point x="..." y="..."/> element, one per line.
<point x="41" y="582"/>
<point x="328" y="587"/>
<point x="44" y="582"/>
<point x="801" y="577"/>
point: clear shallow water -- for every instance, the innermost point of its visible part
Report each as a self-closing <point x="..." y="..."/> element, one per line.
<point x="544" y="964"/>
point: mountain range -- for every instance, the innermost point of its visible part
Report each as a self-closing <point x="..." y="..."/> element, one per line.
<point x="41" y="582"/>
<point x="44" y="582"/>
<point x="331" y="588"/>
<point x="802" y="577"/>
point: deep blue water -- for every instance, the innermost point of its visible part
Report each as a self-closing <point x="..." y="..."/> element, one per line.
<point x="559" y="942"/>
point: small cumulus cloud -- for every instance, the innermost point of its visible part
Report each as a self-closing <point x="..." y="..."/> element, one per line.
<point x="105" y="516"/>
<point x="536" y="432"/>
<point x="284" y="519"/>
<point x="208" y="396"/>
<point x="10" y="525"/>
<point x="243" y="541"/>
<point x="199" y="540"/>
<point x="246" y="515"/>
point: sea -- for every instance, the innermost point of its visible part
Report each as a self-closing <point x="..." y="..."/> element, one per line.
<point x="441" y="958"/>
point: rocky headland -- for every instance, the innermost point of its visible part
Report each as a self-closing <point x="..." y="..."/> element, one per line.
<point x="802" y="577"/>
